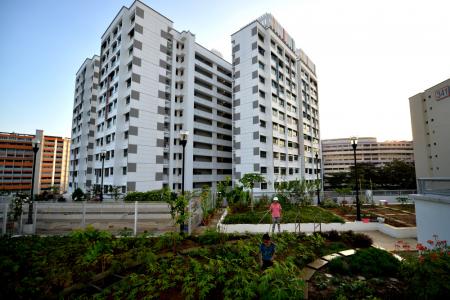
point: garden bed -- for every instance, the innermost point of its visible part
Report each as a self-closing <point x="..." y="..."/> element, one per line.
<point x="290" y="214"/>
<point x="91" y="264"/>
<point x="398" y="216"/>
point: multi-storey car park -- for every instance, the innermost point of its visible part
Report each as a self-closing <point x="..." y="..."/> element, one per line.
<point x="154" y="82"/>
<point x="275" y="113"/>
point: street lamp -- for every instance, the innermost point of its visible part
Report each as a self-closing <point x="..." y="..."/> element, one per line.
<point x="183" y="139"/>
<point x="354" y="142"/>
<point x="102" y="158"/>
<point x="318" y="182"/>
<point x="35" y="142"/>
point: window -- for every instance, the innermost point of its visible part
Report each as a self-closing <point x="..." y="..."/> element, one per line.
<point x="125" y="152"/>
<point x="264" y="185"/>
<point x="261" y="65"/>
<point x="263" y="154"/>
<point x="262" y="139"/>
<point x="125" y="135"/>
<point x="263" y="170"/>
<point x="124" y="170"/>
<point x="261" y="79"/>
<point x="262" y="109"/>
<point x="262" y="123"/>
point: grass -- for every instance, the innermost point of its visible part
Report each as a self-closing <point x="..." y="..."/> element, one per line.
<point x="290" y="213"/>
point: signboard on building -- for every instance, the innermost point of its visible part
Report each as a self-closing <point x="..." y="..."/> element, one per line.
<point x="442" y="93"/>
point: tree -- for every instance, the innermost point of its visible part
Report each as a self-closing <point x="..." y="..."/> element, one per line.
<point x="177" y="206"/>
<point x="336" y="180"/>
<point x="249" y="180"/>
<point x="78" y="195"/>
<point x="115" y="191"/>
<point x="223" y="190"/>
<point x="399" y="175"/>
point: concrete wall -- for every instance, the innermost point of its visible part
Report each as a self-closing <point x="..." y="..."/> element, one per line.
<point x="432" y="218"/>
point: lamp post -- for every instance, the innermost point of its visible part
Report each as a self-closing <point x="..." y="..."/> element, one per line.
<point x="35" y="142"/>
<point x="354" y="142"/>
<point x="318" y="182"/>
<point x="183" y="139"/>
<point x="102" y="158"/>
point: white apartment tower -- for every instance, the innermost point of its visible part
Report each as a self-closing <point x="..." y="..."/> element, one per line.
<point x="154" y="82"/>
<point x="275" y="112"/>
<point x="83" y="124"/>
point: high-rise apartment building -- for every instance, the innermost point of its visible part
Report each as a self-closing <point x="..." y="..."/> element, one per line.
<point x="16" y="162"/>
<point x="430" y="111"/>
<point x="338" y="153"/>
<point x="83" y="124"/>
<point x="275" y="112"/>
<point x="154" y="82"/>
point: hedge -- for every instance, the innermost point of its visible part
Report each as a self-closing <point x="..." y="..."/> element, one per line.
<point x="155" y="195"/>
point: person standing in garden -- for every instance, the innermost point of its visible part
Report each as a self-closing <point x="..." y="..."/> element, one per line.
<point x="266" y="252"/>
<point x="275" y="210"/>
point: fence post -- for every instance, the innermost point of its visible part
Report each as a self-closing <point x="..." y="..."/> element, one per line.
<point x="5" y="218"/>
<point x="21" y="223"/>
<point x="135" y="217"/>
<point x="83" y="217"/>
<point x="190" y="217"/>
<point x="35" y="217"/>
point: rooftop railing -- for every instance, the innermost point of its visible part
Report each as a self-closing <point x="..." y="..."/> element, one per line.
<point x="434" y="186"/>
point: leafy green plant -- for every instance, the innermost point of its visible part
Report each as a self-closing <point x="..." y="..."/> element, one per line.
<point x="211" y="236"/>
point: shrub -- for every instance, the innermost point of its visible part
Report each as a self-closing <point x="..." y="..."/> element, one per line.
<point x="78" y="195"/>
<point x="373" y="262"/>
<point x="429" y="274"/>
<point x="154" y="195"/>
<point x="370" y="263"/>
<point x="357" y="240"/>
<point x="339" y="266"/>
<point x="329" y="203"/>
<point x="332" y="235"/>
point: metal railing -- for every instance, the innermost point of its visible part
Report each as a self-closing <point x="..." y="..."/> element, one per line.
<point x="434" y="186"/>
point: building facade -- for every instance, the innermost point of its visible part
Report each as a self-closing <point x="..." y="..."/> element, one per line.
<point x="154" y="82"/>
<point x="338" y="153"/>
<point x="16" y="163"/>
<point x="430" y="122"/>
<point x="83" y="124"/>
<point x="275" y="89"/>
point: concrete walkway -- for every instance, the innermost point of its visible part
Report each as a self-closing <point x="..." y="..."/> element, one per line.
<point x="387" y="242"/>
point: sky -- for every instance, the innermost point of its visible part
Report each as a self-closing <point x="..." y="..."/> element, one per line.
<point x="371" y="56"/>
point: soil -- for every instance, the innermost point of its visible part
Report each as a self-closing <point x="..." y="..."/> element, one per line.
<point x="394" y="216"/>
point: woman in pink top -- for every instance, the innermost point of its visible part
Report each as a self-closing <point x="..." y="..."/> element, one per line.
<point x="275" y="210"/>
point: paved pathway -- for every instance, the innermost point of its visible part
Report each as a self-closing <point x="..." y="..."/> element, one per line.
<point x="387" y="242"/>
